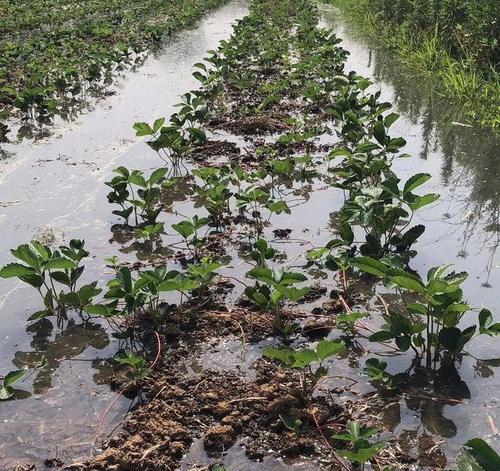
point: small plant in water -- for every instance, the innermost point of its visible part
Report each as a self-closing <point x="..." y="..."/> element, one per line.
<point x="188" y="229"/>
<point x="303" y="360"/>
<point x="42" y="268"/>
<point x="274" y="285"/>
<point x="430" y="325"/>
<point x="137" y="195"/>
<point x="136" y="363"/>
<point x="361" y="450"/>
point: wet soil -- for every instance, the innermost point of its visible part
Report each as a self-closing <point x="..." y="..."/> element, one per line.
<point x="162" y="432"/>
<point x="221" y="408"/>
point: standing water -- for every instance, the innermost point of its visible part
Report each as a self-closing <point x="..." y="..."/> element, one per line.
<point x="54" y="190"/>
<point x="463" y="228"/>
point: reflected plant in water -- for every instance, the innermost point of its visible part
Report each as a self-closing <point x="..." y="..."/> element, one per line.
<point x="375" y="369"/>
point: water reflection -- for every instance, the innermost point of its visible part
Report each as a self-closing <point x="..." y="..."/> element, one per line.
<point x="36" y="124"/>
<point x="72" y="339"/>
<point x="470" y="164"/>
<point x="469" y="160"/>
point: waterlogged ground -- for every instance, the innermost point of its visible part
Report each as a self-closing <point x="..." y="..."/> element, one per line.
<point x="54" y="190"/>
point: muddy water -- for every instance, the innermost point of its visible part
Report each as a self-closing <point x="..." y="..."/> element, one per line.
<point x="54" y="189"/>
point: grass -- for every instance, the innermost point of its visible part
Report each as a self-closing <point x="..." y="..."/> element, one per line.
<point x="461" y="79"/>
<point x="53" y="49"/>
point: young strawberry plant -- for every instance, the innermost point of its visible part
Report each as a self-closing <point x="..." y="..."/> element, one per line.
<point x="44" y="269"/>
<point x="272" y="287"/>
<point x="303" y="359"/>
<point x="360" y="450"/>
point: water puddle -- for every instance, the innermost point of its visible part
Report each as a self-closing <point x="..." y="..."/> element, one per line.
<point x="236" y="460"/>
<point x="55" y="190"/>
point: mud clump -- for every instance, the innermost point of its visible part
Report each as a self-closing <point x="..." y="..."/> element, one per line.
<point x="219" y="437"/>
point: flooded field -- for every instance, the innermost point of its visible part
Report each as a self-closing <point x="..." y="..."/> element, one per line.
<point x="53" y="190"/>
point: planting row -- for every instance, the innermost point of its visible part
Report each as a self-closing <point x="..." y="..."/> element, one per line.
<point x="279" y="83"/>
<point x="54" y="53"/>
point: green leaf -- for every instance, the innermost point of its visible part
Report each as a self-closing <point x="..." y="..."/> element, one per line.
<point x="379" y="132"/>
<point x="327" y="348"/>
<point x="59" y="264"/>
<point x="362" y="455"/>
<point x="284" y="355"/>
<point x="16" y="270"/>
<point x="142" y="129"/>
<point x="42" y="250"/>
<point x="13" y="376"/>
<point x="157" y="175"/>
<point x="136" y="178"/>
<point x="408" y="283"/>
<point x="415" y="181"/>
<point x="61" y="277"/>
<point x="381" y="336"/>
<point x="390" y="119"/>
<point x="354" y="429"/>
<point x="184" y="228"/>
<point x="126" y="278"/>
<point x="304" y="357"/>
<point x="157" y="124"/>
<point x="417" y="308"/>
<point x="99" y="310"/>
<point x="26" y="255"/>
<point x="261" y="274"/>
<point x="370" y="265"/>
<point x="422" y="201"/>
<point x="6" y="391"/>
<point x="346" y="233"/>
<point x="485" y="318"/>
<point x="292" y="294"/>
<point x="293" y="277"/>
<point x="478" y="456"/>
<point x="395" y="144"/>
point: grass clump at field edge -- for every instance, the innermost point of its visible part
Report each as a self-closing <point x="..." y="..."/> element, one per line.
<point x="51" y="49"/>
<point x="454" y="42"/>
